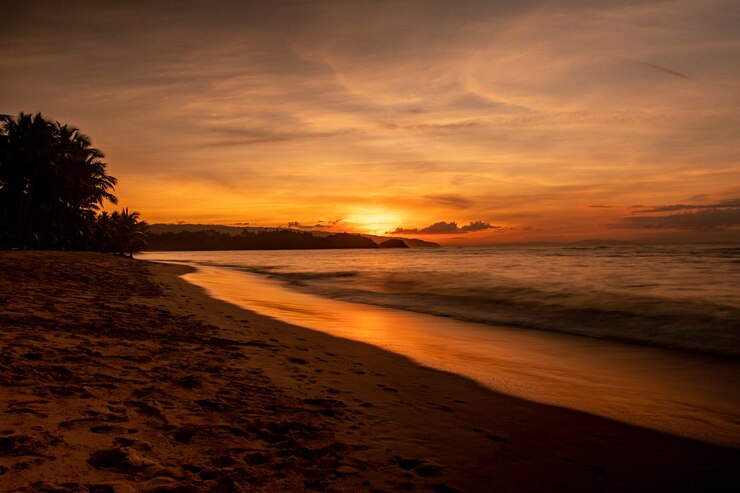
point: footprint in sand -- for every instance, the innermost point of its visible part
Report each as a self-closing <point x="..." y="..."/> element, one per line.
<point x="417" y="466"/>
<point x="112" y="460"/>
<point x="16" y="445"/>
<point x="147" y="409"/>
<point x="123" y="462"/>
<point x="495" y="438"/>
<point x="139" y="445"/>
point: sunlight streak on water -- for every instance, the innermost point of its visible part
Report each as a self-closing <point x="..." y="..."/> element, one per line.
<point x="680" y="393"/>
<point x="673" y="296"/>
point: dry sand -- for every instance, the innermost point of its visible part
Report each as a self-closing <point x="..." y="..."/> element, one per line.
<point x="116" y="375"/>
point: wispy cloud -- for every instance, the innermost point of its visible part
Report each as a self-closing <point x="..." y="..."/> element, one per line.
<point x="656" y="67"/>
<point x="701" y="220"/>
<point x="275" y="112"/>
<point x="450" y="200"/>
<point x="318" y="226"/>
<point x="682" y="207"/>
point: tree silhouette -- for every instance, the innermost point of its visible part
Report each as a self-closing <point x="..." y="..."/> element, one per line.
<point x="128" y="233"/>
<point x="52" y="185"/>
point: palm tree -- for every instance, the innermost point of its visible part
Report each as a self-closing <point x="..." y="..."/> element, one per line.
<point x="52" y="183"/>
<point x="86" y="185"/>
<point x="25" y="167"/>
<point x="128" y="233"/>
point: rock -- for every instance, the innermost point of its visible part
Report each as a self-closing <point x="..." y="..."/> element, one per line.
<point x="393" y="243"/>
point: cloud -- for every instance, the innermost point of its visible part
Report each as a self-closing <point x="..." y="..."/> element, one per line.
<point x="656" y="67"/>
<point x="320" y="225"/>
<point x="701" y="220"/>
<point x="684" y="207"/>
<point x="702" y="197"/>
<point x="288" y="111"/>
<point x="443" y="228"/>
<point x="435" y="127"/>
<point x="247" y="137"/>
<point x="297" y="225"/>
<point x="450" y="200"/>
<point x="327" y="224"/>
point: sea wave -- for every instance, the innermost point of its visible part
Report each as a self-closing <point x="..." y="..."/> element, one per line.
<point x="694" y="325"/>
<point x="678" y="296"/>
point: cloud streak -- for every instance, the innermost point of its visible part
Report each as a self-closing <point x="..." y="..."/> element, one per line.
<point x="286" y="112"/>
<point x="657" y="67"/>
<point x="444" y="228"/>
<point x="702" y="220"/>
<point x="683" y="207"/>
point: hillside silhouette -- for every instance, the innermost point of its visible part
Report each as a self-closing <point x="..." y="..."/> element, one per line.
<point x="279" y="239"/>
<point x="157" y="230"/>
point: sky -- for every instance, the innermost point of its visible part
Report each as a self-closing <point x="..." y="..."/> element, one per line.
<point x="465" y="122"/>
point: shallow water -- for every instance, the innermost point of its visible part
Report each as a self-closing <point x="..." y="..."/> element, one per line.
<point x="685" y="296"/>
<point x="682" y="393"/>
<point x="678" y="393"/>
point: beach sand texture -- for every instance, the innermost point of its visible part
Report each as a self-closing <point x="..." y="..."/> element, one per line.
<point x="117" y="375"/>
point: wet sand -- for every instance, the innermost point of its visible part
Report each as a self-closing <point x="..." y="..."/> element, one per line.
<point x="117" y="375"/>
<point x="691" y="395"/>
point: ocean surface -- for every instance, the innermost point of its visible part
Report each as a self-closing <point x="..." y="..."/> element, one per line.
<point x="514" y="319"/>
<point x="684" y="297"/>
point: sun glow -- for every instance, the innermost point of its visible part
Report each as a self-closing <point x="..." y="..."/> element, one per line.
<point x="375" y="221"/>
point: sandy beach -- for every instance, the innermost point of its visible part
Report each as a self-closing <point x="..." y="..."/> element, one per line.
<point x="117" y="375"/>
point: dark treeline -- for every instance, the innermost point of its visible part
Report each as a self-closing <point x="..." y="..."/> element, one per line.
<point x="52" y="185"/>
<point x="261" y="240"/>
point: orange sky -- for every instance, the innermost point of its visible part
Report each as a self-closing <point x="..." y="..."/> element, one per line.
<point x="543" y="120"/>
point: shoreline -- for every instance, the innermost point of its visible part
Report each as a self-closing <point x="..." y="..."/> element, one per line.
<point x="221" y="397"/>
<point x="369" y="291"/>
<point x="655" y="388"/>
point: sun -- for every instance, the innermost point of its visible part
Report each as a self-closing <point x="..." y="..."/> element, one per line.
<point x="373" y="221"/>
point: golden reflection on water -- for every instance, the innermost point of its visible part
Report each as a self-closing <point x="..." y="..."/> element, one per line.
<point x="670" y="391"/>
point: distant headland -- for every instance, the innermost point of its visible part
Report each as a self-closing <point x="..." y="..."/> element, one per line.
<point x="167" y="237"/>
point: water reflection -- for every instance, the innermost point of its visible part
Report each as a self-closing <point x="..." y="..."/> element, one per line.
<point x="675" y="392"/>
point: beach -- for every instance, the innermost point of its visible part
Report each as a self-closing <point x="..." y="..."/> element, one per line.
<point x="118" y="375"/>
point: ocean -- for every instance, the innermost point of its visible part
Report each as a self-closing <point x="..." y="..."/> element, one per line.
<point x="684" y="297"/>
<point x="647" y="335"/>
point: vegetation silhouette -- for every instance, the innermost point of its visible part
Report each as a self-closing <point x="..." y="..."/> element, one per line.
<point x="52" y="185"/>
<point x="120" y="232"/>
<point x="393" y="243"/>
<point x="279" y="239"/>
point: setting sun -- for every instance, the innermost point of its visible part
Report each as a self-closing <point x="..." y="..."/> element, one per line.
<point x="356" y="245"/>
<point x="374" y="221"/>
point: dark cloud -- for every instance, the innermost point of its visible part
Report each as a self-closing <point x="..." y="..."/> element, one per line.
<point x="477" y="226"/>
<point x="297" y="225"/>
<point x="320" y="225"/>
<point x="656" y="67"/>
<point x="328" y="224"/>
<point x="270" y="105"/>
<point x="442" y="228"/>
<point x="700" y="220"/>
<point x="685" y="207"/>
